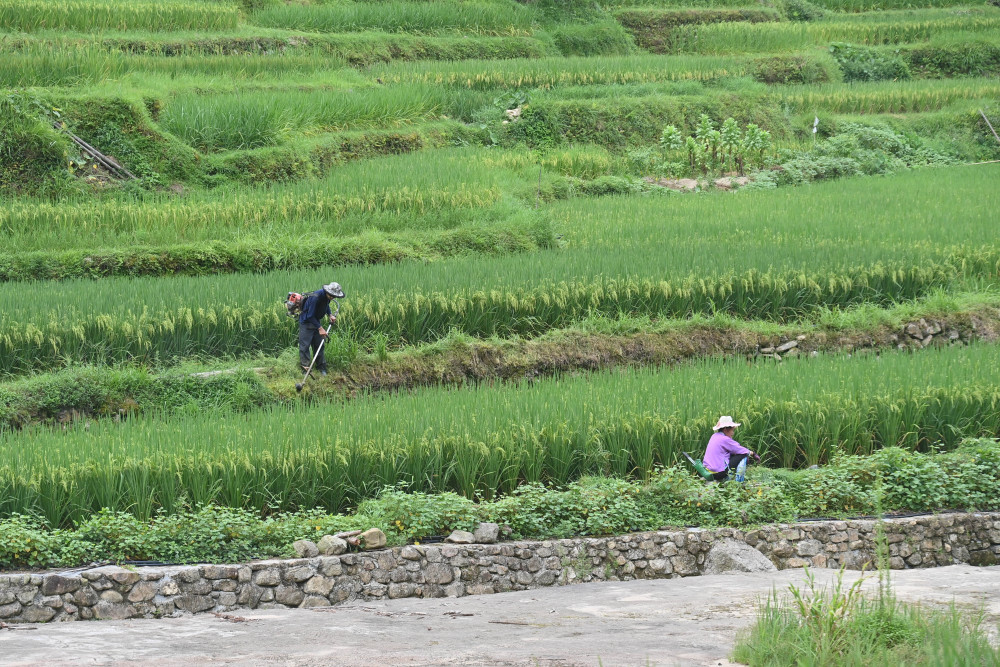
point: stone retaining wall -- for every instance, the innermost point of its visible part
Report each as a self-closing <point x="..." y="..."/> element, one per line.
<point x="454" y="570"/>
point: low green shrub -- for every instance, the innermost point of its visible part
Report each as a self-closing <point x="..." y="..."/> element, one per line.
<point x="801" y="10"/>
<point x="866" y="63"/>
<point x="791" y="69"/>
<point x="855" y="149"/>
<point x="82" y="392"/>
<point x="968" y="58"/>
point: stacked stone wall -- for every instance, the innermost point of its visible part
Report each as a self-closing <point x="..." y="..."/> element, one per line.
<point x="473" y="569"/>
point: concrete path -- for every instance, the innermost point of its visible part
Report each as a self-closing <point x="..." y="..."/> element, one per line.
<point x="690" y="621"/>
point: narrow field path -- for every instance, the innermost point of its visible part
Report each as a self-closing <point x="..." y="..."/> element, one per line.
<point x="691" y="621"/>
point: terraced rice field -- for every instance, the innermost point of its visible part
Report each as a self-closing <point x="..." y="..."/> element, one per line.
<point x="482" y="170"/>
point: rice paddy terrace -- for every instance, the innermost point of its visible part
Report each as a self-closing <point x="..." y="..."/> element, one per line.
<point x="571" y="234"/>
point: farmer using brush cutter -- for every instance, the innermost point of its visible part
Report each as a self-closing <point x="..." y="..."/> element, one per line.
<point x="311" y="333"/>
<point x="724" y="454"/>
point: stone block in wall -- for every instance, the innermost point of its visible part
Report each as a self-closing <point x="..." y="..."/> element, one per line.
<point x="227" y="599"/>
<point x="684" y="564"/>
<point x="268" y="577"/>
<point x="194" y="603"/>
<point x="143" y="591"/>
<point x="220" y="571"/>
<point x="199" y="587"/>
<point x="10" y="609"/>
<point x="809" y="547"/>
<point x="290" y="596"/>
<point x="37" y="614"/>
<point x="57" y="584"/>
<point x="170" y="587"/>
<point x="299" y="573"/>
<point x="113" y="611"/>
<point x="319" y="585"/>
<point x="438" y="573"/>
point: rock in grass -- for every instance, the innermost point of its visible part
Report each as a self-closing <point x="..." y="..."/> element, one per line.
<point x="305" y="548"/>
<point x="461" y="537"/>
<point x="486" y="533"/>
<point x="331" y="546"/>
<point x="373" y="538"/>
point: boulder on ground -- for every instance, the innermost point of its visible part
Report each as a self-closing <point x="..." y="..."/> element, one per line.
<point x="735" y="556"/>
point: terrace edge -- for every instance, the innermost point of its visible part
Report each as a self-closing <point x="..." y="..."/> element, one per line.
<point x="453" y="570"/>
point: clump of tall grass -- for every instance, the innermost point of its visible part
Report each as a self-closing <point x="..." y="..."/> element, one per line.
<point x="34" y="15"/>
<point x="241" y="121"/>
<point x="414" y="17"/>
<point x="840" y="626"/>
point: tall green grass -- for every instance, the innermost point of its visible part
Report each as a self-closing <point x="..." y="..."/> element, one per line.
<point x="550" y="72"/>
<point x="890" y="96"/>
<point x="240" y="121"/>
<point x="774" y="255"/>
<point x="883" y="5"/>
<point x="405" y="192"/>
<point x="491" y="439"/>
<point x="738" y="38"/>
<point x="415" y="17"/>
<point x="34" y="15"/>
<point x="43" y="64"/>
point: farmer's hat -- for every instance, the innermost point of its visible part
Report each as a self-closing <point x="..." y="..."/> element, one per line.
<point x="334" y="290"/>
<point x="725" y="422"/>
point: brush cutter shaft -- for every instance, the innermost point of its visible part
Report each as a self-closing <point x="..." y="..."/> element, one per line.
<point x="315" y="357"/>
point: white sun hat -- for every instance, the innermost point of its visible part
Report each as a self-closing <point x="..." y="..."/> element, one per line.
<point x="725" y="422"/>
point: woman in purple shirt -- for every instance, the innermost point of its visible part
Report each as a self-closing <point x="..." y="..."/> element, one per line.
<point x="723" y="453"/>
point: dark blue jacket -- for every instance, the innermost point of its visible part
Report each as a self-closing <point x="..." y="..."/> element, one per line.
<point x="315" y="307"/>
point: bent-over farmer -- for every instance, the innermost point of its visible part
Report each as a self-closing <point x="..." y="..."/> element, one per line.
<point x="315" y="306"/>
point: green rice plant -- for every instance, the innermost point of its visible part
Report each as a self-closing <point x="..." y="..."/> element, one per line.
<point x="891" y="97"/>
<point x="612" y="4"/>
<point x="882" y="5"/>
<point x="404" y="193"/>
<point x="835" y="245"/>
<point x="45" y="63"/>
<point x="489" y="439"/>
<point x="240" y="121"/>
<point x="35" y="15"/>
<point x="736" y="38"/>
<point x="551" y="72"/>
<point x="414" y="17"/>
